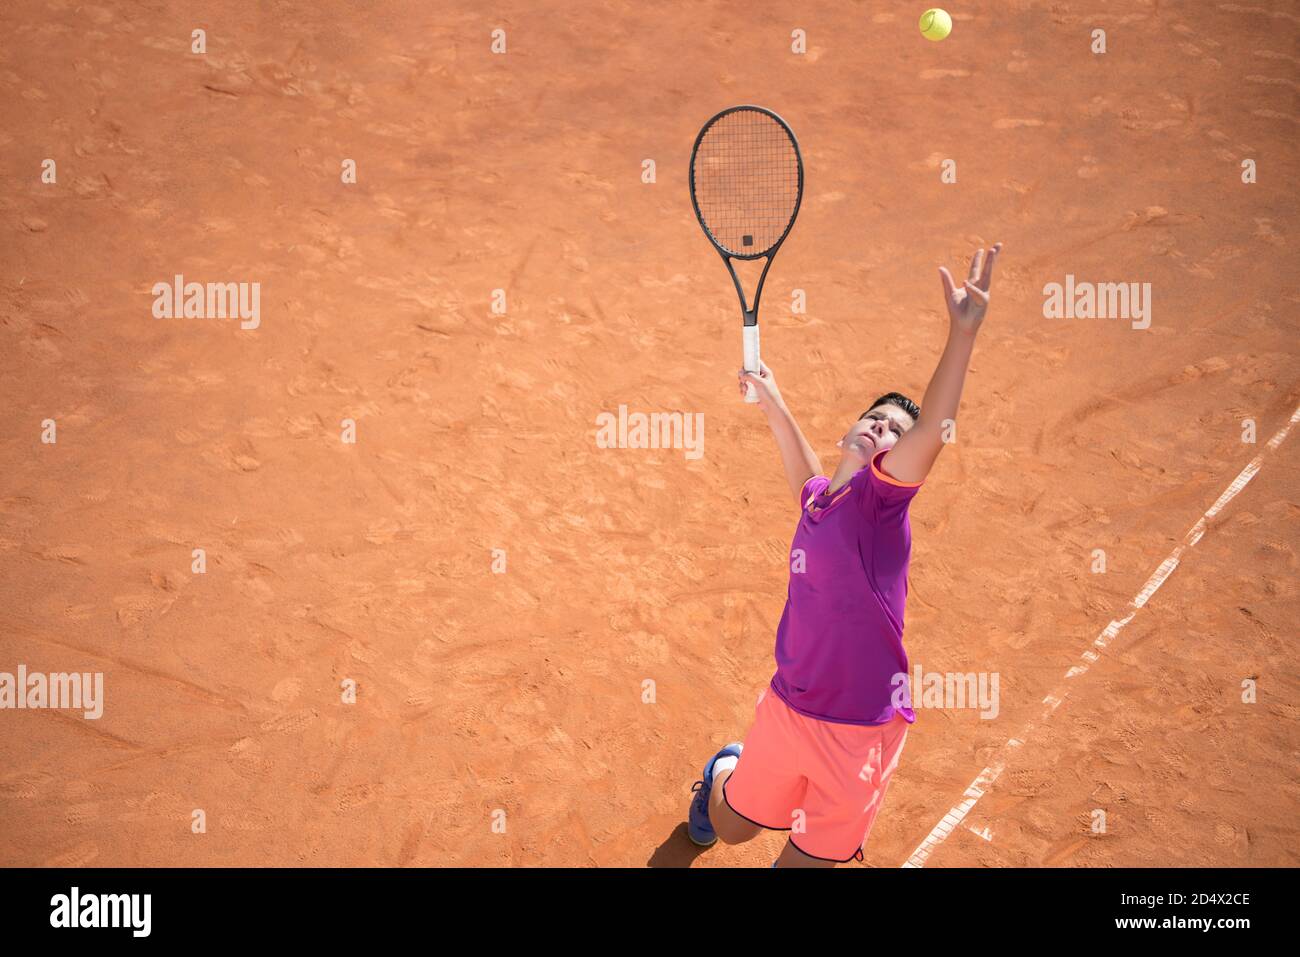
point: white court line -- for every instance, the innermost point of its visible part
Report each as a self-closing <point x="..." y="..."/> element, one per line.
<point x="984" y="780"/>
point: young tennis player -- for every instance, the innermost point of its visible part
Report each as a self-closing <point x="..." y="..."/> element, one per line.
<point x="829" y="729"/>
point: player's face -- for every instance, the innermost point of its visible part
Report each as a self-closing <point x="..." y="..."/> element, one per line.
<point x="876" y="431"/>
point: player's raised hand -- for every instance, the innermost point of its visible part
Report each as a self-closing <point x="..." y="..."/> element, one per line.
<point x="764" y="384"/>
<point x="966" y="305"/>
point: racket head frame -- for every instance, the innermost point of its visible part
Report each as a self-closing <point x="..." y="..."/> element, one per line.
<point x="750" y="311"/>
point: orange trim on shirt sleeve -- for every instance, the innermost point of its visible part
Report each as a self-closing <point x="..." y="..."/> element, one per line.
<point x="810" y="498"/>
<point x="880" y="474"/>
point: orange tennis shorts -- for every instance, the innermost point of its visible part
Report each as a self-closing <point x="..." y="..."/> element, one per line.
<point x="821" y="781"/>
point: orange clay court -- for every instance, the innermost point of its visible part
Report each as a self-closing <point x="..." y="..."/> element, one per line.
<point x="522" y="692"/>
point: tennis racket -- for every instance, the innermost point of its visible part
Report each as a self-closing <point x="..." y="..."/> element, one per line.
<point x="746" y="187"/>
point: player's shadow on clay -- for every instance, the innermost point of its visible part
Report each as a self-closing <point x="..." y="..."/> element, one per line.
<point x="677" y="850"/>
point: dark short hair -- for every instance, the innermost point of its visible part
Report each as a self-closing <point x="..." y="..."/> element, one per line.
<point x="898" y="399"/>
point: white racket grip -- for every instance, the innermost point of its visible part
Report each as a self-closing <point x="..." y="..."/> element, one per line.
<point x="751" y="360"/>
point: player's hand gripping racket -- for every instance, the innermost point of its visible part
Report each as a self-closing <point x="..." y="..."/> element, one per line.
<point x="746" y="186"/>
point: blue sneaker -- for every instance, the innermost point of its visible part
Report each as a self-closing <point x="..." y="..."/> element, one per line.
<point x="698" y="825"/>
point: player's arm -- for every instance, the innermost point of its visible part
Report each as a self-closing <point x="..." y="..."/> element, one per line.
<point x="911" y="459"/>
<point x="797" y="456"/>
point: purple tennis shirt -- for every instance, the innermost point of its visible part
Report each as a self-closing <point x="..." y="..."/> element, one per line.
<point x="840" y="641"/>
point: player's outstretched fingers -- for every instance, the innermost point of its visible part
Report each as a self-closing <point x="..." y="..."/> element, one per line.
<point x="986" y="275"/>
<point x="945" y="277"/>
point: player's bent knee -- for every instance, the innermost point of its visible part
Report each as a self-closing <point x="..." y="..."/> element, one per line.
<point x="730" y="827"/>
<point x="738" y="832"/>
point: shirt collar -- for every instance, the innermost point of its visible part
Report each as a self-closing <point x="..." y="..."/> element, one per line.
<point x="823" y="502"/>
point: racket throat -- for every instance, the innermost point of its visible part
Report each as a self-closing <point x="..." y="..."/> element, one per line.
<point x="749" y="309"/>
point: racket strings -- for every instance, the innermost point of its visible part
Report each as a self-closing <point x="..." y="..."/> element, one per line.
<point x="746" y="175"/>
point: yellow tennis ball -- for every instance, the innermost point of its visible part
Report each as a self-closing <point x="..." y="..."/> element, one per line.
<point x="935" y="24"/>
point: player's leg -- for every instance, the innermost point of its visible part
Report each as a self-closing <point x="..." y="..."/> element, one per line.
<point x="731" y="828"/>
<point x="747" y="788"/>
<point x="711" y="819"/>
